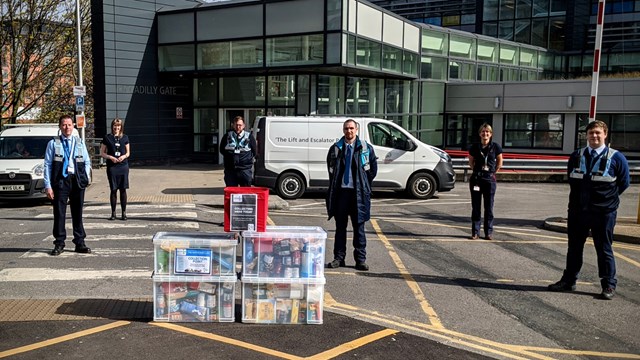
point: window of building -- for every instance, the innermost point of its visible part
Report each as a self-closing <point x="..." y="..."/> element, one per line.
<point x="505" y="30"/>
<point x="533" y="131"/>
<point x="330" y="95"/>
<point x="435" y="43"/>
<point x="540" y="8"/>
<point x="522" y="31"/>
<point x="410" y="63"/>
<point x="523" y="9"/>
<point x="434" y="68"/>
<point x="205" y="91"/>
<point x="528" y="57"/>
<point x="509" y="55"/>
<point x="556" y="33"/>
<point x="391" y="59"/>
<point x="242" y="91"/>
<point x="464" y="71"/>
<point x="488" y="51"/>
<point x="430" y="129"/>
<point x="205" y="128"/>
<point x="490" y="10"/>
<point x="490" y="29"/>
<point x="624" y="131"/>
<point x="368" y="53"/>
<point x="507" y="9"/>
<point x="401" y="96"/>
<point x="295" y="50"/>
<point x="540" y="32"/>
<point x="463" y="47"/>
<point x="488" y="73"/>
<point x="451" y="20"/>
<point x="176" y="57"/>
<point x="282" y="90"/>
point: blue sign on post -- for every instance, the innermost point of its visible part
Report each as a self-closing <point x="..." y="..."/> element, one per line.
<point x="79" y="103"/>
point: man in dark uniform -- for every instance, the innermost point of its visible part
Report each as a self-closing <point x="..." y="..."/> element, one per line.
<point x="67" y="171"/>
<point x="352" y="166"/>
<point x="598" y="175"/>
<point x="238" y="148"/>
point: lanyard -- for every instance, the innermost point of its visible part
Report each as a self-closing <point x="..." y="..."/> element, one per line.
<point x="67" y="144"/>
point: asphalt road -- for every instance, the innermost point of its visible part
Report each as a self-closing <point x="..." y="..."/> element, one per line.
<point x="429" y="283"/>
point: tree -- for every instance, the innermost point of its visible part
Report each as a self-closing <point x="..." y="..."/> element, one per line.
<point x="39" y="61"/>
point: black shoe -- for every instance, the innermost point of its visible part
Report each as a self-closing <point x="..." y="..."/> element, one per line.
<point x="82" y="249"/>
<point x="608" y="293"/>
<point x="57" y="250"/>
<point x="561" y="286"/>
<point x="362" y="266"/>
<point x="488" y="237"/>
<point x="336" y="264"/>
<point x="113" y="216"/>
<point x="124" y="216"/>
<point x="474" y="237"/>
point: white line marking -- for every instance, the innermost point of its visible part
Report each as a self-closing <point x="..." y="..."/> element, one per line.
<point x="99" y="252"/>
<point x="136" y="216"/>
<point x="50" y="274"/>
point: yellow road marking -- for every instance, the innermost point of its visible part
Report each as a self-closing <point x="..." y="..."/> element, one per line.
<point x="63" y="338"/>
<point x="629" y="260"/>
<point x="226" y="340"/>
<point x="417" y="292"/>
<point x="269" y="221"/>
<point x="346" y="347"/>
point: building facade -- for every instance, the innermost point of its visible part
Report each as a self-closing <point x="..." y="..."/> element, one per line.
<point x="179" y="71"/>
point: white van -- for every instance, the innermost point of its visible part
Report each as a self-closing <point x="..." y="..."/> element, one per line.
<point x="292" y="153"/>
<point x="22" y="149"/>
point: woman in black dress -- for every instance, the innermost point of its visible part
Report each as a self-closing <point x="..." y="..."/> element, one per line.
<point x="115" y="148"/>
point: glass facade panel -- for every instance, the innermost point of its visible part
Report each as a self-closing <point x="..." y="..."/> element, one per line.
<point x="509" y="54"/>
<point x="351" y="50"/>
<point x="410" y="63"/>
<point x="368" y="53"/>
<point x="523" y="9"/>
<point x="282" y="90"/>
<point x="462" y="47"/>
<point x="205" y="127"/>
<point x="432" y="98"/>
<point x="523" y="31"/>
<point x="330" y="95"/>
<point x="205" y="91"/>
<point x="505" y="29"/>
<point x="434" y="68"/>
<point x="176" y="57"/>
<point x="528" y="57"/>
<point x="334" y="14"/>
<point x="490" y="10"/>
<point x="242" y="91"/>
<point x="435" y="43"/>
<point x="541" y="131"/>
<point x="430" y="130"/>
<point x="556" y="33"/>
<point x="540" y="32"/>
<point x="462" y="71"/>
<point x="540" y="7"/>
<point x="334" y="48"/>
<point x="303" y="94"/>
<point x="451" y="20"/>
<point x="401" y="97"/>
<point x="246" y="53"/>
<point x="488" y="73"/>
<point x="488" y="51"/>
<point x="295" y="50"/>
<point x="490" y="29"/>
<point x="507" y="9"/>
<point x="214" y="56"/>
<point x="391" y="59"/>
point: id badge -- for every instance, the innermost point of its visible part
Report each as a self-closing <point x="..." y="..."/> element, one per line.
<point x="117" y="154"/>
<point x="476" y="188"/>
<point x="485" y="168"/>
<point x="236" y="151"/>
<point x="69" y="170"/>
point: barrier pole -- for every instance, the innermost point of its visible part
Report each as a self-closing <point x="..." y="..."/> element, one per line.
<point x="596" y="62"/>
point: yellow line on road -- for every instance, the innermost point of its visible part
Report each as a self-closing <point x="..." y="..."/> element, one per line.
<point x="629" y="260"/>
<point x="270" y="222"/>
<point x="63" y="338"/>
<point x="226" y="340"/>
<point x="417" y="292"/>
<point x="346" y="347"/>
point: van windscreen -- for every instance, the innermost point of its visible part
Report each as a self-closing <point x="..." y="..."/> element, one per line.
<point x="23" y="147"/>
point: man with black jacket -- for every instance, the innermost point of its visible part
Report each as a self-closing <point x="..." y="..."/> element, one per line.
<point x="238" y="148"/>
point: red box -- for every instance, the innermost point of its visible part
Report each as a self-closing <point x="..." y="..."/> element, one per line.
<point x="243" y="218"/>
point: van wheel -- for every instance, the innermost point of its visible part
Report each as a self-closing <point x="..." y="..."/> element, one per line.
<point x="290" y="186"/>
<point x="422" y="186"/>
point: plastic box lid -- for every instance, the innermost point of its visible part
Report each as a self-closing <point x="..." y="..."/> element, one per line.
<point x="196" y="238"/>
<point x="286" y="231"/>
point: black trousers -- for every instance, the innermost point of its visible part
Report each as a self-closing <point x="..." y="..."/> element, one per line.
<point x="67" y="190"/>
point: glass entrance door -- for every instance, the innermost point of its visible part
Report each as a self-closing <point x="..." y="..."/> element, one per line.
<point x="462" y="130"/>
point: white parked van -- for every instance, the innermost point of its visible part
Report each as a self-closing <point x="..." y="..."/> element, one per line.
<point x="22" y="149"/>
<point x="293" y="151"/>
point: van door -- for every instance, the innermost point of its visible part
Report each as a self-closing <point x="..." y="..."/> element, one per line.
<point x="395" y="152"/>
<point x="322" y="134"/>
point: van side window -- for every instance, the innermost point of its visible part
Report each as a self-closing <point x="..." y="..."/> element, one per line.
<point x="387" y="136"/>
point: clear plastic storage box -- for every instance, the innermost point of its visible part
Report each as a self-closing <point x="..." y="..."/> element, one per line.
<point x="194" y="254"/>
<point x="189" y="299"/>
<point x="284" y="252"/>
<point x="295" y="302"/>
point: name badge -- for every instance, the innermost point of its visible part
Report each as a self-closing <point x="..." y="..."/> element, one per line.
<point x="69" y="170"/>
<point x="236" y="151"/>
<point x="476" y="188"/>
<point x="485" y="168"/>
<point x="117" y="153"/>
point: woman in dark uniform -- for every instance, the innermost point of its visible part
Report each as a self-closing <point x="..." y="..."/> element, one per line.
<point x="115" y="148"/>
<point x="485" y="159"/>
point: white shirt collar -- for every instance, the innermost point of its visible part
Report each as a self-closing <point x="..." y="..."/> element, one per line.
<point x="598" y="150"/>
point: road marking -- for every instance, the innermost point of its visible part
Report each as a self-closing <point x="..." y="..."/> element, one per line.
<point x="105" y="237"/>
<point x="102" y="252"/>
<point x="137" y="216"/>
<point x="107" y="208"/>
<point x="50" y="274"/>
<point x="226" y="340"/>
<point x="351" y="345"/>
<point x="134" y="225"/>
<point x="629" y="260"/>
<point x="61" y="339"/>
<point x="415" y="288"/>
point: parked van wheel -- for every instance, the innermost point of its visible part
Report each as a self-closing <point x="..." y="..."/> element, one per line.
<point x="290" y="186"/>
<point x="422" y="186"/>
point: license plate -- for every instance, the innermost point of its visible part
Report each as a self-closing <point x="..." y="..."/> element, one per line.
<point x="11" y="187"/>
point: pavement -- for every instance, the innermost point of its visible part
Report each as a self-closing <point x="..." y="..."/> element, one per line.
<point x="204" y="184"/>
